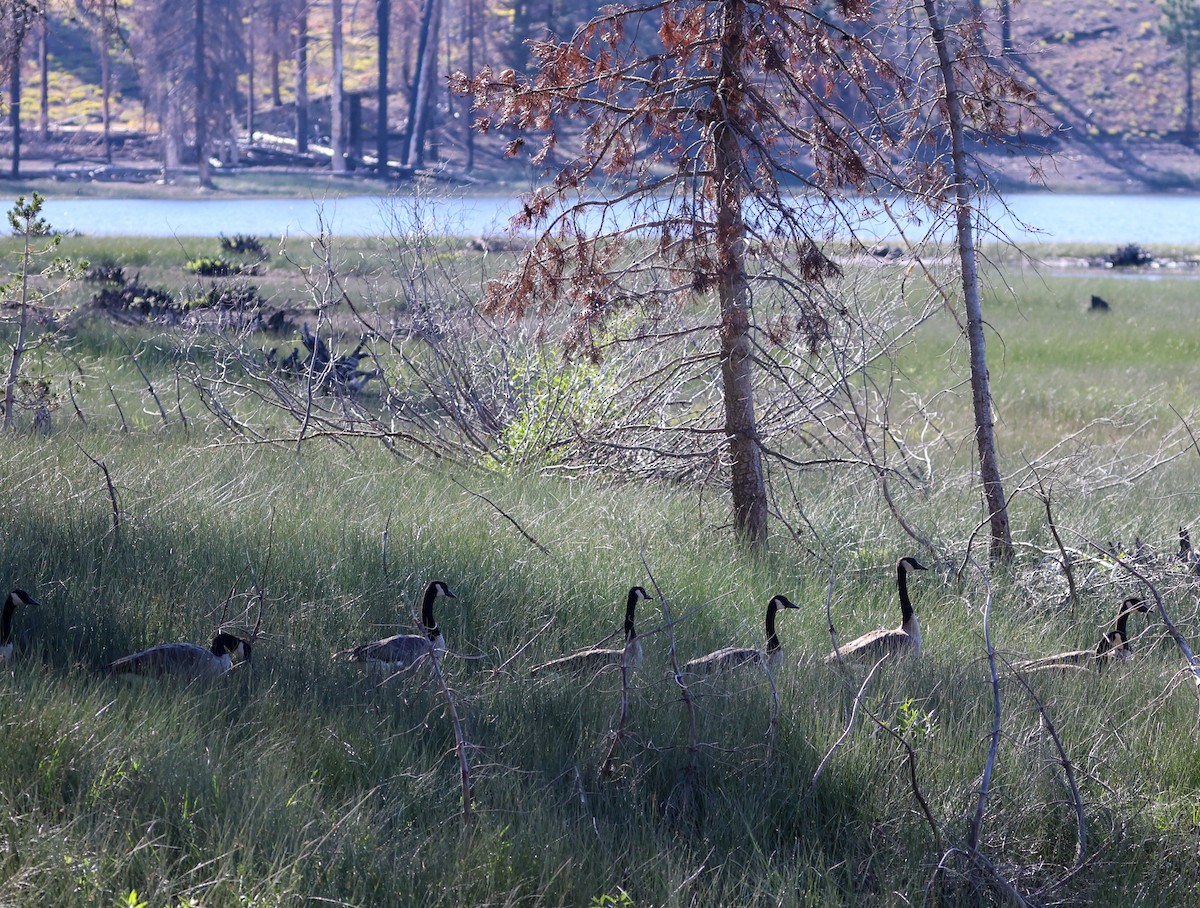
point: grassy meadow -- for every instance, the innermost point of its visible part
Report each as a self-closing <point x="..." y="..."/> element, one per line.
<point x="301" y="780"/>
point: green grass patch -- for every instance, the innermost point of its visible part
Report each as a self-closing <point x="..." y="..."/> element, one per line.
<point x="302" y="779"/>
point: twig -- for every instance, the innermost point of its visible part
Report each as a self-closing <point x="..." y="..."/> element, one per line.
<point x="179" y="399"/>
<point x="259" y="589"/>
<point x="120" y="412"/>
<point x="985" y="785"/>
<point x="149" y="385"/>
<point x="607" y="766"/>
<point x="682" y="794"/>
<point x="520" y="529"/>
<point x="1068" y="569"/>
<point x="911" y="759"/>
<point x="112" y="491"/>
<point x="773" y="724"/>
<point x="829" y="614"/>
<point x="74" y="402"/>
<point x="862" y="690"/>
<point x="460" y="741"/>
<point x="524" y="646"/>
<point x="1068" y="771"/>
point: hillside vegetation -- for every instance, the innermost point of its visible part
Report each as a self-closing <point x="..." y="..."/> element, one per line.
<point x="1110" y="87"/>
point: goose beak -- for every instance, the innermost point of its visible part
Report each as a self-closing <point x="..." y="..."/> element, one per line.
<point x="244" y="650"/>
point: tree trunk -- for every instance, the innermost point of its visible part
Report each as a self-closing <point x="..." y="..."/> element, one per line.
<point x="201" y="76"/>
<point x="106" y="86"/>
<point x="14" y="107"/>
<point x="383" y="18"/>
<point x="18" y="350"/>
<point x="251" y="62"/>
<point x="1189" y="93"/>
<point x="1006" y="42"/>
<point x="302" y="79"/>
<point x="276" y="88"/>
<point x="169" y="129"/>
<point x="469" y="137"/>
<point x="44" y="77"/>
<point x="1001" y="547"/>
<point x="747" y="484"/>
<point x="422" y="85"/>
<point x="337" y="131"/>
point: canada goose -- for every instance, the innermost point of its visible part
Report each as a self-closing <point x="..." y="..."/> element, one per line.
<point x="1113" y="644"/>
<point x="184" y="660"/>
<point x="402" y="650"/>
<point x="904" y="639"/>
<point x="1187" y="554"/>
<point x="734" y="656"/>
<point x="592" y="660"/>
<point x="15" y="598"/>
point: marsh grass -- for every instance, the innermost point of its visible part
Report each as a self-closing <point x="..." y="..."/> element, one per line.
<point x="301" y="779"/>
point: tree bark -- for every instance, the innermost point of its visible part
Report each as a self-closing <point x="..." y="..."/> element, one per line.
<point x="422" y="85"/>
<point x="302" y="79"/>
<point x="276" y="87"/>
<point x="14" y="104"/>
<point x="337" y="131"/>
<point x="747" y="484"/>
<point x="106" y="85"/>
<point x="1000" y="547"/>
<point x="250" y="64"/>
<point x="44" y="77"/>
<point x="1189" y="93"/>
<point x="469" y="137"/>
<point x="18" y="350"/>
<point x="383" y="18"/>
<point x="201" y="76"/>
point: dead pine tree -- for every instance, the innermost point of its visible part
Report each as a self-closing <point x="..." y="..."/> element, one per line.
<point x="694" y="153"/>
<point x="973" y="94"/>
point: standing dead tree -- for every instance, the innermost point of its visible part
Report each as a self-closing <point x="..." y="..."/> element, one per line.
<point x="704" y="146"/>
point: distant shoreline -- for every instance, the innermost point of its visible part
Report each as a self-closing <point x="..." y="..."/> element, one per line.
<point x="1091" y="167"/>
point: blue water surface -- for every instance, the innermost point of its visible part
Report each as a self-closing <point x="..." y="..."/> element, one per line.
<point x="1023" y="217"/>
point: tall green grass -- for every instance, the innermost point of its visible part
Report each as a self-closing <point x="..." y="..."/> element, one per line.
<point x="301" y="780"/>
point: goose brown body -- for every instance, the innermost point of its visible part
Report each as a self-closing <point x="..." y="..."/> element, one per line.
<point x="402" y="650"/>
<point x="592" y="660"/>
<point x="736" y="656"/>
<point x="184" y="660"/>
<point x="904" y="639"/>
<point x="1113" y="645"/>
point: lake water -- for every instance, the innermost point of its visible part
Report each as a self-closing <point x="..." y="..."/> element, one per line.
<point x="1108" y="219"/>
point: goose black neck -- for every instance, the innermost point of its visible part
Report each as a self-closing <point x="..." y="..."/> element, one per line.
<point x="630" y="605"/>
<point x="1128" y="607"/>
<point x="6" y="621"/>
<point x="773" y="644"/>
<point x="906" y="609"/>
<point x="431" y="627"/>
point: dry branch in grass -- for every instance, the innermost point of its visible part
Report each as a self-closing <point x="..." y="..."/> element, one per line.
<point x="680" y="800"/>
<point x="162" y="411"/>
<point x="1044" y="495"/>
<point x="862" y="690"/>
<point x="460" y="741"/>
<point x="910" y="760"/>
<point x="108" y="483"/>
<point x="985" y="785"/>
<point x="1081" y="850"/>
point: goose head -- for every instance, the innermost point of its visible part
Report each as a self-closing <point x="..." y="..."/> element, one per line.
<point x="228" y="645"/>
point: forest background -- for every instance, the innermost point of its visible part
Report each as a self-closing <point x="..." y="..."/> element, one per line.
<point x="108" y="89"/>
